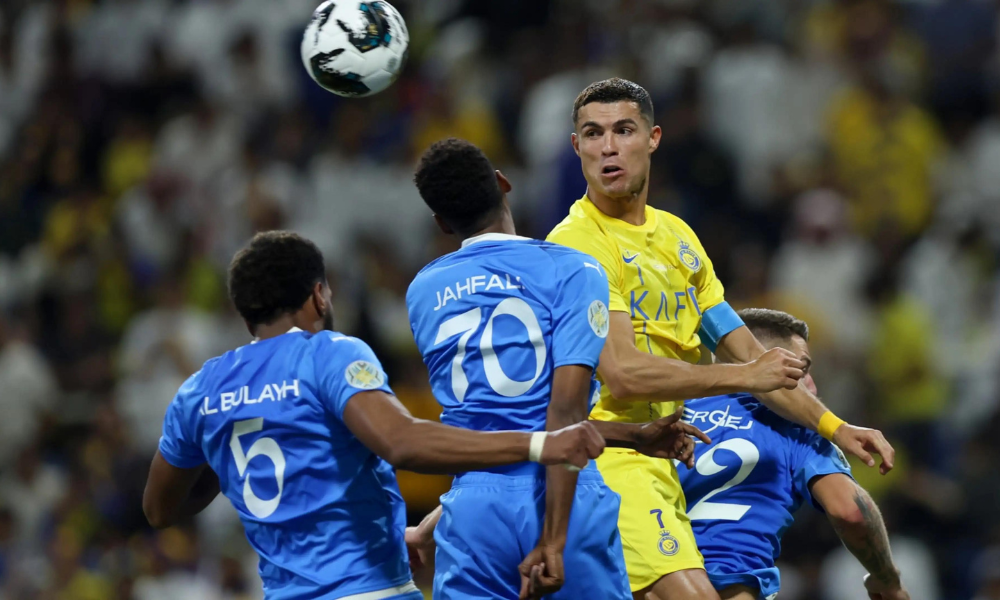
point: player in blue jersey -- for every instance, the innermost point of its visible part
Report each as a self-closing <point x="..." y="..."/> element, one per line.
<point x="300" y="431"/>
<point x="511" y="329"/>
<point x="745" y="487"/>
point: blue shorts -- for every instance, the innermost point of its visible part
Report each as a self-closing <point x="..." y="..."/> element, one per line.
<point x="490" y="522"/>
<point x="766" y="582"/>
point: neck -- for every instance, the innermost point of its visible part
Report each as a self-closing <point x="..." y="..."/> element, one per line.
<point x="631" y="209"/>
<point x="504" y="224"/>
<point x="281" y="325"/>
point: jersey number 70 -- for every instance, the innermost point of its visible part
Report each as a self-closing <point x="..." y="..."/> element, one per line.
<point x="467" y="323"/>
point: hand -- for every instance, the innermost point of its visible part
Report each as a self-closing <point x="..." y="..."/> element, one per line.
<point x="878" y="591"/>
<point x="419" y="547"/>
<point x="776" y="368"/>
<point x="573" y="445"/>
<point x="862" y="442"/>
<point x="669" y="437"/>
<point x="541" y="571"/>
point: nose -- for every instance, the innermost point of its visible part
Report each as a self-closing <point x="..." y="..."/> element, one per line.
<point x="610" y="146"/>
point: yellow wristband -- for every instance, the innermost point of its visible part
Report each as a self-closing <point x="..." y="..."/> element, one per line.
<point x="828" y="424"/>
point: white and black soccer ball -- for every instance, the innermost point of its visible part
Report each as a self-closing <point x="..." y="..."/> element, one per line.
<point x="355" y="47"/>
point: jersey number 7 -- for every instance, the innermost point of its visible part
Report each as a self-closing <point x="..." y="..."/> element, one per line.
<point x="467" y="323"/>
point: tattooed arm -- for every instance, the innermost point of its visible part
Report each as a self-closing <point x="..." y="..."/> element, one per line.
<point x="858" y="523"/>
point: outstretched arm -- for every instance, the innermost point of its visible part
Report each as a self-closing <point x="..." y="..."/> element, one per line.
<point x="797" y="404"/>
<point x="859" y="524"/>
<point x="632" y="374"/>
<point x="389" y="430"/>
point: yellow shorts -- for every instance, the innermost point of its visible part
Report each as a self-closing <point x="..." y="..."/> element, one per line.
<point x="656" y="533"/>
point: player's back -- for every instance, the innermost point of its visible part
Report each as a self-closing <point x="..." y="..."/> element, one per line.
<point x="747" y="485"/>
<point x="494" y="321"/>
<point x="485" y="320"/>
<point x="322" y="511"/>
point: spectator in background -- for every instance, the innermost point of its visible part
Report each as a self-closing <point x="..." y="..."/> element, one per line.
<point x="30" y="389"/>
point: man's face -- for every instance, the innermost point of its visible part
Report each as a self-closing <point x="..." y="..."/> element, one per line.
<point x="800" y="348"/>
<point x="614" y="143"/>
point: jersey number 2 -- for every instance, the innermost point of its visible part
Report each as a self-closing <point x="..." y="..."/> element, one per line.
<point x="706" y="466"/>
<point x="262" y="446"/>
<point x="467" y="323"/>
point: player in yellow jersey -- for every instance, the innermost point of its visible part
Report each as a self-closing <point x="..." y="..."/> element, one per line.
<point x="666" y="302"/>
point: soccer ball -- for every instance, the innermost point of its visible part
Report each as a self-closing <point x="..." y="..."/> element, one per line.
<point x="355" y="47"/>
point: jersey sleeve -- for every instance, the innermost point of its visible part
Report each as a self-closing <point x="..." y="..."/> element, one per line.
<point x="813" y="456"/>
<point x="596" y="245"/>
<point x="177" y="444"/>
<point x="347" y="366"/>
<point x="580" y="313"/>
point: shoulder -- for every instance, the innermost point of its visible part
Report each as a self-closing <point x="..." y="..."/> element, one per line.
<point x="333" y="344"/>
<point x="577" y="225"/>
<point x="676" y="223"/>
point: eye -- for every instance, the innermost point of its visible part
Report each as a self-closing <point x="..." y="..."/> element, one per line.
<point x="590" y="133"/>
<point x="626" y="131"/>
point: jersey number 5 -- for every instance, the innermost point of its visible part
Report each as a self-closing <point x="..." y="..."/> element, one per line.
<point x="467" y="323"/>
<point x="706" y="466"/>
<point x="262" y="446"/>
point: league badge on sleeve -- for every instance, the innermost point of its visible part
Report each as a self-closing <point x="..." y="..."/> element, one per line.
<point x="597" y="316"/>
<point x="689" y="257"/>
<point x="364" y="375"/>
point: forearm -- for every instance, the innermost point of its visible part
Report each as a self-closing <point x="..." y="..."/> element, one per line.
<point x="430" y="447"/>
<point x="643" y="375"/>
<point x="618" y="435"/>
<point x="798" y="406"/>
<point x="866" y="538"/>
<point x="560" y="482"/>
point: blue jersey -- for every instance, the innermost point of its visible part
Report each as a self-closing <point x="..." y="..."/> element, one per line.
<point x="322" y="511"/>
<point x="747" y="485"/>
<point x="496" y="318"/>
<point x="493" y="322"/>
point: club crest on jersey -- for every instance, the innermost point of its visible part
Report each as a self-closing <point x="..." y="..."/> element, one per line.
<point x="689" y="257"/>
<point x="668" y="544"/>
<point x="364" y="375"/>
<point x="597" y="316"/>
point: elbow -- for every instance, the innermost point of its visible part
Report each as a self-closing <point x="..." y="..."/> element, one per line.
<point x="155" y="515"/>
<point x="845" y="514"/>
<point x="618" y="384"/>
<point x="403" y="455"/>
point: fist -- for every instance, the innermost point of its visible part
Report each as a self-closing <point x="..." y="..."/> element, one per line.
<point x="574" y="445"/>
<point x="777" y="368"/>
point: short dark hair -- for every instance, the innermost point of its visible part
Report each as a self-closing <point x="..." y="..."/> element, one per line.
<point x="773" y="325"/>
<point x="615" y="90"/>
<point x="274" y="275"/>
<point x="459" y="184"/>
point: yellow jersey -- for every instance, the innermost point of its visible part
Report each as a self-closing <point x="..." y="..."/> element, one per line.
<point x="660" y="275"/>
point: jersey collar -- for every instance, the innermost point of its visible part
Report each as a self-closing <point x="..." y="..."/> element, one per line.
<point x="292" y="330"/>
<point x="492" y="237"/>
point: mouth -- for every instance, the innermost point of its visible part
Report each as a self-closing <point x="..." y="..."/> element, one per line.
<point x="612" y="171"/>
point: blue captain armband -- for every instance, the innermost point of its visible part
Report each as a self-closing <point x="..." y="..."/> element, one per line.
<point x="716" y="323"/>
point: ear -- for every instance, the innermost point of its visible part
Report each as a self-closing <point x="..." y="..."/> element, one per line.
<point x="575" y="140"/>
<point x="654" y="138"/>
<point x="318" y="301"/>
<point x="504" y="183"/>
<point x="444" y="226"/>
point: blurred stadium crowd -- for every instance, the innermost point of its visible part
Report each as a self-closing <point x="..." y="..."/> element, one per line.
<point x="840" y="159"/>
